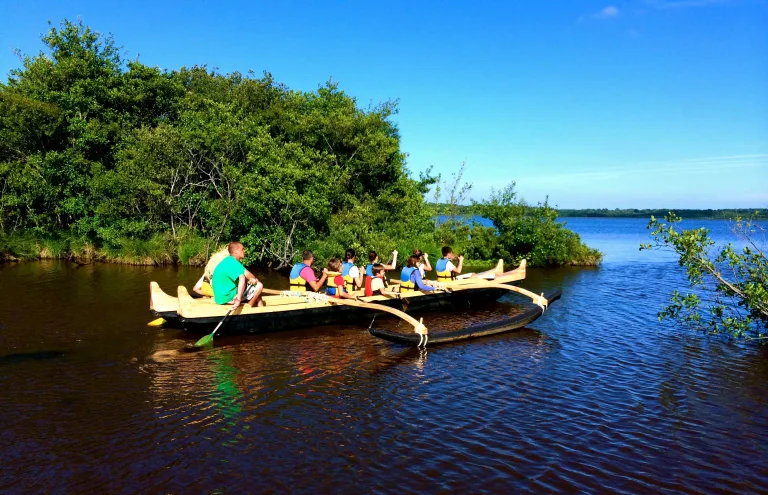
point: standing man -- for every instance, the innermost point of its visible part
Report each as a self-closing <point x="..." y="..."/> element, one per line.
<point x="446" y="270"/>
<point x="303" y="276"/>
<point x="232" y="283"/>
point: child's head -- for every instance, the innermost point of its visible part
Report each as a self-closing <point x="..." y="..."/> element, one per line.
<point x="378" y="270"/>
<point x="334" y="265"/>
<point x="413" y="261"/>
<point x="350" y="255"/>
<point x="418" y="253"/>
<point x="372" y="256"/>
<point x="447" y="252"/>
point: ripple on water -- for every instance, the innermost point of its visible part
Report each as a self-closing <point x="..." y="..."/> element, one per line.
<point x="596" y="397"/>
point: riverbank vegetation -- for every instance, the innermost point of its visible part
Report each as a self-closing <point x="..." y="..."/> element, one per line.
<point x="729" y="286"/>
<point x="108" y="159"/>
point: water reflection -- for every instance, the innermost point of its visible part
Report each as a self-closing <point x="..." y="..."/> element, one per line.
<point x="597" y="397"/>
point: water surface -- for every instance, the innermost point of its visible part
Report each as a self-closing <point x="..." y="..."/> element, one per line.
<point x="596" y="396"/>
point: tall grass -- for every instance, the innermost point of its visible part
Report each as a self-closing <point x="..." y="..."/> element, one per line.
<point x="189" y="249"/>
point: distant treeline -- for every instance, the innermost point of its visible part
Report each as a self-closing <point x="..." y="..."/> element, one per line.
<point x="108" y="159"/>
<point x="635" y="213"/>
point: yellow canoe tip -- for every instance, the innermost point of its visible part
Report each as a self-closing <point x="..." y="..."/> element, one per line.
<point x="156" y="323"/>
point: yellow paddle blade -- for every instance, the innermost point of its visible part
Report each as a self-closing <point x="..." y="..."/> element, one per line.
<point x="156" y="323"/>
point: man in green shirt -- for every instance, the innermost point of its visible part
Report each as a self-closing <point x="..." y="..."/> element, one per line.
<point x="232" y="283"/>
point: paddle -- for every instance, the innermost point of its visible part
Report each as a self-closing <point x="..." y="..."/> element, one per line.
<point x="418" y="326"/>
<point x="156" y="323"/>
<point x="209" y="338"/>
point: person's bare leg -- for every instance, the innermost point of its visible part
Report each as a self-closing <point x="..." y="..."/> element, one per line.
<point x="256" y="300"/>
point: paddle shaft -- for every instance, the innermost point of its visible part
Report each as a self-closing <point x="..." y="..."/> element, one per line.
<point x="222" y="321"/>
<point x="209" y="338"/>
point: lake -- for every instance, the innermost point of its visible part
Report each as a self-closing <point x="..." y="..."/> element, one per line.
<point x="596" y="396"/>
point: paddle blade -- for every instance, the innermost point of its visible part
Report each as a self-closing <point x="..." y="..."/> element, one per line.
<point x="156" y="323"/>
<point x="207" y="340"/>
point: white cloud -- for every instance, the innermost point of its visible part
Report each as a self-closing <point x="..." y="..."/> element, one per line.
<point x="608" y="12"/>
<point x="672" y="167"/>
<point x="671" y="4"/>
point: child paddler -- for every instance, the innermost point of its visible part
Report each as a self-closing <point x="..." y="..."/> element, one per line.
<point x="303" y="277"/>
<point x="423" y="265"/>
<point x="410" y="277"/>
<point x="375" y="282"/>
<point x="336" y="283"/>
<point x="353" y="278"/>
<point x="203" y="286"/>
<point x="373" y="259"/>
<point x="446" y="270"/>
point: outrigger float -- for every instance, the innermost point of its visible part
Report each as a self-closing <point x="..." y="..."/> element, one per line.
<point x="286" y="310"/>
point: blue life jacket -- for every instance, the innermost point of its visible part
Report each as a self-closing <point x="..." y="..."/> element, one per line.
<point x="298" y="283"/>
<point x="406" y="283"/>
<point x="443" y="274"/>
<point x="369" y="269"/>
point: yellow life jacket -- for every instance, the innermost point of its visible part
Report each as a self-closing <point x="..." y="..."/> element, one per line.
<point x="206" y="289"/>
<point x="406" y="284"/>
<point x="349" y="282"/>
<point x="330" y="283"/>
<point x="443" y="274"/>
<point x="298" y="284"/>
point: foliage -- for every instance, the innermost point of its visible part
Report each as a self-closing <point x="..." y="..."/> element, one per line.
<point x="730" y="286"/>
<point x="111" y="159"/>
<point x="524" y="231"/>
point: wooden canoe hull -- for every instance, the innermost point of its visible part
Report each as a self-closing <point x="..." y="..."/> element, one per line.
<point x="325" y="314"/>
<point x="284" y="313"/>
<point x="482" y="330"/>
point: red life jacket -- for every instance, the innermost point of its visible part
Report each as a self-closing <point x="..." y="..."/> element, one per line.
<point x="368" y="290"/>
<point x="339" y="281"/>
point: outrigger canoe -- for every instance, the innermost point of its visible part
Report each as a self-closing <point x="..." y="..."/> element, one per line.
<point x="295" y="310"/>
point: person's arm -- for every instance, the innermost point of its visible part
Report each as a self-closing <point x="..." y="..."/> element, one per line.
<point x="318" y="284"/>
<point x="416" y="278"/>
<point x="345" y="295"/>
<point x="198" y="288"/>
<point x="392" y="265"/>
<point x="251" y="277"/>
<point x="427" y="266"/>
<point x="240" y="290"/>
<point x="359" y="279"/>
<point x="457" y="270"/>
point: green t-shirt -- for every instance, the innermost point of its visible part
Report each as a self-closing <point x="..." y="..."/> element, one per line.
<point x="224" y="279"/>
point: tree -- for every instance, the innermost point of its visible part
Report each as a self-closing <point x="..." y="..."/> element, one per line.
<point x="528" y="232"/>
<point x="729" y="286"/>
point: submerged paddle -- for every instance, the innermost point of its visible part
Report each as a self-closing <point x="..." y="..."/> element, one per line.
<point x="209" y="338"/>
<point x="156" y="323"/>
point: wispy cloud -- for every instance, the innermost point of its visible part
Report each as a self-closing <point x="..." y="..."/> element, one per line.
<point x="672" y="4"/>
<point x="608" y="12"/>
<point x="672" y="167"/>
<point x="603" y="14"/>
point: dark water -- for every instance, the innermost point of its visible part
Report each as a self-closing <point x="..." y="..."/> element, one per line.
<point x="596" y="397"/>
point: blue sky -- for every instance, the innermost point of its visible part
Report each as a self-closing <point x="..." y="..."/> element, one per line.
<point x="632" y="104"/>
